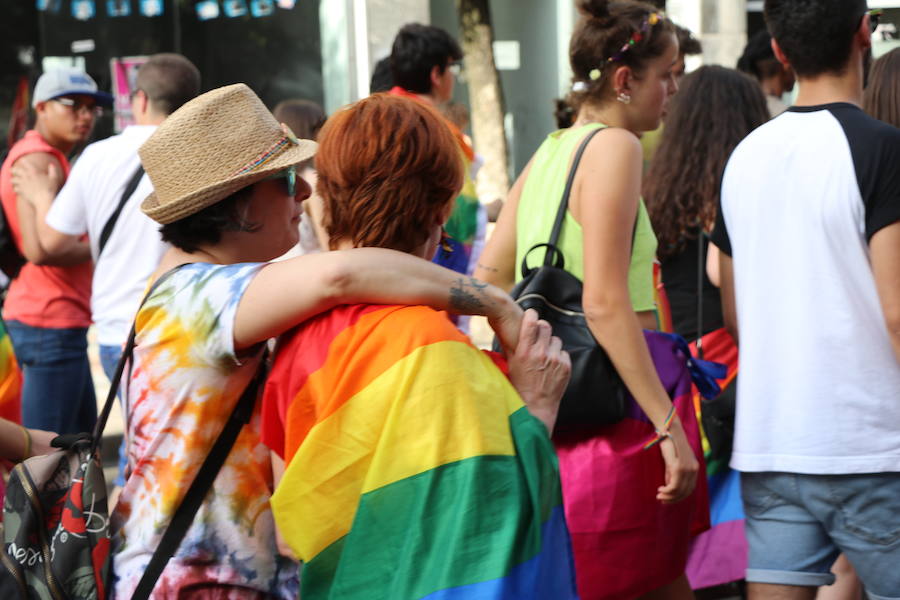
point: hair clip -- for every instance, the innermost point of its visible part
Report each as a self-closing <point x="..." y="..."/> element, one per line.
<point x="579" y="86"/>
<point x="594" y="74"/>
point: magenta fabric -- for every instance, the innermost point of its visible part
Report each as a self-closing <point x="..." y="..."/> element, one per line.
<point x="626" y="543"/>
<point x="719" y="556"/>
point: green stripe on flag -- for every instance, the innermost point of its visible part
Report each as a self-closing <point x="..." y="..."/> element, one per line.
<point x="461" y="523"/>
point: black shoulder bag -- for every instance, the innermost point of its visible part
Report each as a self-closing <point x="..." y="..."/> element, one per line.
<point x="596" y="394"/>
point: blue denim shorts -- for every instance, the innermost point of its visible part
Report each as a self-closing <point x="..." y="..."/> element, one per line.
<point x="797" y="525"/>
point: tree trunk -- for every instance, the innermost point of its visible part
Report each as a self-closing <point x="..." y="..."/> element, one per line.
<point x="485" y="97"/>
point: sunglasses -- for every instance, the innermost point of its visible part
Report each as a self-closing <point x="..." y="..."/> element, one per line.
<point x="76" y="106"/>
<point x="290" y="177"/>
<point x="874" y="18"/>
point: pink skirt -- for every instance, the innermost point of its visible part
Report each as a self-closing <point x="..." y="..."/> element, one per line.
<point x="625" y="542"/>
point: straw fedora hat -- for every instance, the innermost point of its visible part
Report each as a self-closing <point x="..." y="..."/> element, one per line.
<point x="211" y="147"/>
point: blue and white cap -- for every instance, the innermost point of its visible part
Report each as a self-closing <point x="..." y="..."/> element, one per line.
<point x="64" y="82"/>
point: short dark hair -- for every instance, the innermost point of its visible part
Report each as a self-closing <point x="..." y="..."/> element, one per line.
<point x="758" y="58"/>
<point x="416" y="51"/>
<point x="169" y="80"/>
<point x="815" y="35"/>
<point x="205" y="227"/>
<point x="382" y="79"/>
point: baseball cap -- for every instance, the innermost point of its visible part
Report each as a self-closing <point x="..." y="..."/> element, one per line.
<point x="64" y="82"/>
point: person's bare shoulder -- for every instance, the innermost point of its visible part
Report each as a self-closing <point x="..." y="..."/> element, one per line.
<point x="39" y="160"/>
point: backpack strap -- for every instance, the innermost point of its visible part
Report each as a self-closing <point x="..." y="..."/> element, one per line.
<point x="554" y="256"/>
<point x="111" y="222"/>
<point x="564" y="202"/>
<point x="190" y="504"/>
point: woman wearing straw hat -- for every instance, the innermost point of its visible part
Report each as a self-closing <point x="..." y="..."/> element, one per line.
<point x="228" y="198"/>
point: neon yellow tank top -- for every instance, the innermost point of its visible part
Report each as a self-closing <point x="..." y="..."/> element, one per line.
<point x="537" y="209"/>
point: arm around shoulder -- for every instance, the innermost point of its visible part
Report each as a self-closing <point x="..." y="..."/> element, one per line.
<point x="37" y="178"/>
<point x="289" y="292"/>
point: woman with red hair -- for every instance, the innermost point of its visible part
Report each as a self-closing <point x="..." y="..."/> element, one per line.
<point x="413" y="468"/>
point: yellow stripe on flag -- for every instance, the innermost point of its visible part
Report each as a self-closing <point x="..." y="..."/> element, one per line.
<point x="442" y="403"/>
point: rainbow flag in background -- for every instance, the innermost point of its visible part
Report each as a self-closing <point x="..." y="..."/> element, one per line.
<point x="413" y="468"/>
<point x="10" y="395"/>
<point x="719" y="556"/>
<point x="10" y="379"/>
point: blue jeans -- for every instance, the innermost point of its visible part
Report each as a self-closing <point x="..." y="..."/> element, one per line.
<point x="798" y="524"/>
<point x="57" y="389"/>
<point x="109" y="358"/>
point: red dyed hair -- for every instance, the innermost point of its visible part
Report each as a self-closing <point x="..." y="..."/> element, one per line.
<point x="388" y="167"/>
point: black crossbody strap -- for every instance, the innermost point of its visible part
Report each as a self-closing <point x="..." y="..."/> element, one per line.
<point x="202" y="483"/>
<point x="111" y="222"/>
<point x="120" y="368"/>
<point x="564" y="202"/>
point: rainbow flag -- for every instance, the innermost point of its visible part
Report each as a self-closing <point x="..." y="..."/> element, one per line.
<point x="719" y="556"/>
<point x="661" y="299"/>
<point x="413" y="468"/>
<point x="10" y="379"/>
<point x="10" y="395"/>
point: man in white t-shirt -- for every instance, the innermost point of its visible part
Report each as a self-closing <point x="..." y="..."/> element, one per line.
<point x="93" y="193"/>
<point x="809" y="229"/>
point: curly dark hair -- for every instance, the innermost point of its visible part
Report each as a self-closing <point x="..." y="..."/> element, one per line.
<point x="605" y="26"/>
<point x="714" y="110"/>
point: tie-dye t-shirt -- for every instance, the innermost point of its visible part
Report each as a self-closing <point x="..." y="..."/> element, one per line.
<point x="185" y="383"/>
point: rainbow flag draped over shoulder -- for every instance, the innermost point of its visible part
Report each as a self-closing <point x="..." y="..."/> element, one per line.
<point x="413" y="468"/>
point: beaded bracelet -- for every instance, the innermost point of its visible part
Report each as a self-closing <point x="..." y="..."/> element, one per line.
<point x="662" y="434"/>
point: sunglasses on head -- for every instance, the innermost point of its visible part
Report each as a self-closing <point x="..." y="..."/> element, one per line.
<point x="290" y="177"/>
<point x="874" y="18"/>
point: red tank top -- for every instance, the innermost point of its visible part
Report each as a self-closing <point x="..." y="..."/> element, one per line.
<point x="43" y="296"/>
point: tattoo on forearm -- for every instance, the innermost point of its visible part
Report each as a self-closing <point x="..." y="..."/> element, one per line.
<point x="487" y="268"/>
<point x="468" y="296"/>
